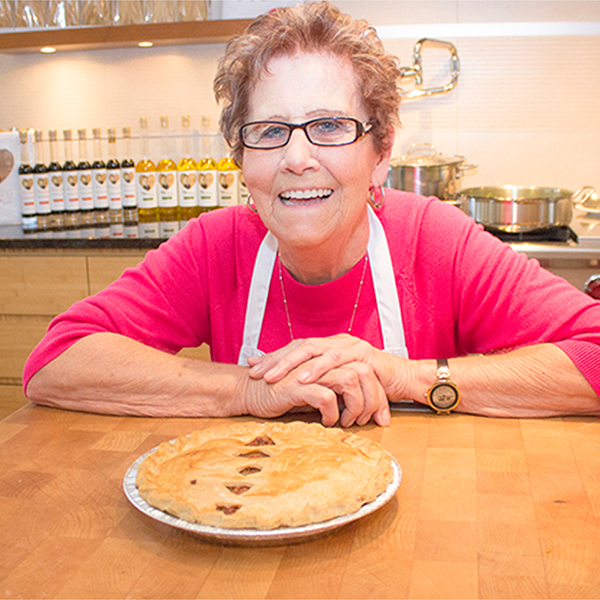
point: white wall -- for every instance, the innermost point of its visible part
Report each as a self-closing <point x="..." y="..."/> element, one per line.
<point x="526" y="109"/>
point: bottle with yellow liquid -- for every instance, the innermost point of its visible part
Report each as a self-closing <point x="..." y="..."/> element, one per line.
<point x="187" y="177"/>
<point x="166" y="174"/>
<point x="208" y="193"/>
<point x="228" y="176"/>
<point x="145" y="180"/>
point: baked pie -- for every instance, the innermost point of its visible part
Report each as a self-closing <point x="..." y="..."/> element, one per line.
<point x="264" y="475"/>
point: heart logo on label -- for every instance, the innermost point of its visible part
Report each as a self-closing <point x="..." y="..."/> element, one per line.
<point x="100" y="178"/>
<point x="72" y="179"/>
<point x="85" y="179"/>
<point x="57" y="180"/>
<point x="42" y="182"/>
<point x="226" y="180"/>
<point x="114" y="178"/>
<point x="128" y="176"/>
<point x="7" y="162"/>
<point x="166" y="180"/>
<point x="27" y="183"/>
<point x="187" y="180"/>
<point x="147" y="182"/>
<point x="205" y="180"/>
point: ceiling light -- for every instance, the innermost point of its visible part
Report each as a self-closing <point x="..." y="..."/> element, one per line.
<point x="145" y="44"/>
<point x="47" y="49"/>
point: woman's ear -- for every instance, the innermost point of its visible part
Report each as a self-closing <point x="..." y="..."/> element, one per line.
<point x="380" y="172"/>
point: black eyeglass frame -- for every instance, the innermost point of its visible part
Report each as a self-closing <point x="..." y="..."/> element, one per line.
<point x="361" y="130"/>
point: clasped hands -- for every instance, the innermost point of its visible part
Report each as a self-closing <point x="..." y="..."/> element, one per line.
<point x="342" y="376"/>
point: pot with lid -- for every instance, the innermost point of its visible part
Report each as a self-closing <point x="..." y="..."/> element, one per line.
<point x="425" y="171"/>
<point x="518" y="209"/>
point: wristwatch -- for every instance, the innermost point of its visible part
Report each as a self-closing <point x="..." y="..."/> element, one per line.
<point x="443" y="396"/>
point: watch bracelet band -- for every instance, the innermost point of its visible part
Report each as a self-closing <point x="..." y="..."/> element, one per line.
<point x="443" y="369"/>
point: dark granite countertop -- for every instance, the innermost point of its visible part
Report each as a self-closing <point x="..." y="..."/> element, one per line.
<point x="135" y="236"/>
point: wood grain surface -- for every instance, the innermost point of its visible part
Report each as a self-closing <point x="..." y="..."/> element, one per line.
<point x="487" y="508"/>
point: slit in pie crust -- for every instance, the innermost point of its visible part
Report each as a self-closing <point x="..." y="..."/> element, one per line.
<point x="264" y="475"/>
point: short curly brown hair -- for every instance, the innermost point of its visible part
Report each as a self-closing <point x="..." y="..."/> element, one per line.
<point x="311" y="27"/>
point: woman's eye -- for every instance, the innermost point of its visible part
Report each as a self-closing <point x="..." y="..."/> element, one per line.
<point x="273" y="132"/>
<point x="327" y="126"/>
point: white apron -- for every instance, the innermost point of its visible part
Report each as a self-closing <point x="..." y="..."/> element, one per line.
<point x="388" y="306"/>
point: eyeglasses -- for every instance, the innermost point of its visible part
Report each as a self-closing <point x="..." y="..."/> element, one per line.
<point x="327" y="131"/>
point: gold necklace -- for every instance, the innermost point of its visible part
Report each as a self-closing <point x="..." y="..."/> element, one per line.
<point x="285" y="302"/>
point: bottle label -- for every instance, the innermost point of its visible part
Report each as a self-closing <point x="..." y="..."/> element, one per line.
<point x="27" y="194"/>
<point x="102" y="233"/>
<point x="42" y="193"/>
<point x="99" y="188"/>
<point x="131" y="231"/>
<point x="228" y="187"/>
<point x="70" y="190"/>
<point x="145" y="190"/>
<point x="148" y="230"/>
<point x="128" y="198"/>
<point x="84" y="187"/>
<point x="167" y="229"/>
<point x="113" y="188"/>
<point x="208" y="194"/>
<point x="244" y="193"/>
<point x="116" y="230"/>
<point x="167" y="189"/>
<point x="188" y="190"/>
<point x="57" y="192"/>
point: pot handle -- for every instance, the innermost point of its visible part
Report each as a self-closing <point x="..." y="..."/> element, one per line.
<point x="583" y="195"/>
<point x="460" y="169"/>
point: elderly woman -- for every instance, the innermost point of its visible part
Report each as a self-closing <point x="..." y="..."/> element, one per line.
<point x="327" y="292"/>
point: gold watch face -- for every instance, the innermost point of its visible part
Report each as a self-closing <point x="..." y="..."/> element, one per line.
<point x="444" y="396"/>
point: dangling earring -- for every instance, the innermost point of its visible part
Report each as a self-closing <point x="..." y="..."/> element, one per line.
<point x="372" y="200"/>
<point x="250" y="204"/>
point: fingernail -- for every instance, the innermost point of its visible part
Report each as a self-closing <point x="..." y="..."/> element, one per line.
<point x="304" y="377"/>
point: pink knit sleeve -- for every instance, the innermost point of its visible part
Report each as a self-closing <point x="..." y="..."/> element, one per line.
<point x="158" y="303"/>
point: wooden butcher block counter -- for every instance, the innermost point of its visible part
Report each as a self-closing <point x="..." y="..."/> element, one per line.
<point x="487" y="508"/>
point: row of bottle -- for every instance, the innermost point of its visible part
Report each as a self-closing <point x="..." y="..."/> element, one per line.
<point x="55" y="195"/>
<point x="120" y="229"/>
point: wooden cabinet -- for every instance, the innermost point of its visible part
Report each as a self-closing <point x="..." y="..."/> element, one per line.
<point x="41" y="285"/>
<point x="37" y="285"/>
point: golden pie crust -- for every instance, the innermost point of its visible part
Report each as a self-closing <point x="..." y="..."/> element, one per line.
<point x="264" y="475"/>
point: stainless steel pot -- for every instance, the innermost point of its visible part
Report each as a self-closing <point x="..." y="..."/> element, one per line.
<point x="517" y="209"/>
<point x="425" y="171"/>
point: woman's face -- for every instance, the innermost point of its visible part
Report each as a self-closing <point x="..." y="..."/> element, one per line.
<point x="310" y="196"/>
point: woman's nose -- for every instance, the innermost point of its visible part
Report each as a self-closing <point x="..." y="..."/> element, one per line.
<point x="299" y="154"/>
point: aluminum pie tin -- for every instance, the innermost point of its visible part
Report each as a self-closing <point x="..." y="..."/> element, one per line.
<point x="256" y="537"/>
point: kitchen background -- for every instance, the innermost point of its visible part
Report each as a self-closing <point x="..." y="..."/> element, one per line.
<point x="526" y="108"/>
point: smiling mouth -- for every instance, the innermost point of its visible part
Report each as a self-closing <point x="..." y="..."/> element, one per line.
<point x="295" y="197"/>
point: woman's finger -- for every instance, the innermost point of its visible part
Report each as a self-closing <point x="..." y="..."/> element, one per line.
<point x="259" y="365"/>
<point x="362" y="393"/>
<point x="273" y="400"/>
<point x="331" y="352"/>
<point x="346" y="384"/>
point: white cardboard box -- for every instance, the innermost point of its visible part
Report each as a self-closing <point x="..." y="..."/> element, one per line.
<point x="10" y="203"/>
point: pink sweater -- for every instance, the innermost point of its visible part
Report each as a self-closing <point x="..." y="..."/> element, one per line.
<point x="461" y="291"/>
